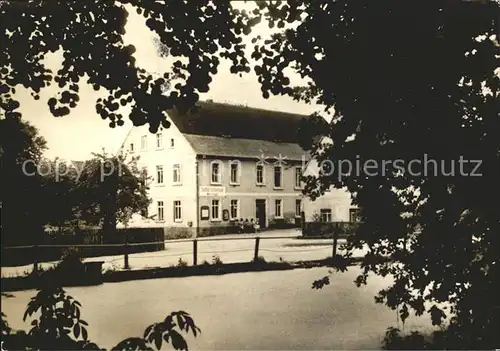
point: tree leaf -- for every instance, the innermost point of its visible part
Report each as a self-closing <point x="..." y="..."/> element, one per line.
<point x="76" y="330"/>
<point x="148" y="330"/>
<point x="437" y="315"/>
<point x="158" y="341"/>
<point x="178" y="341"/>
<point x="320" y="283"/>
<point x="180" y="321"/>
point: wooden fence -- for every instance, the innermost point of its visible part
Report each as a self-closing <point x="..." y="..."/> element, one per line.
<point x="89" y="243"/>
<point x="128" y="248"/>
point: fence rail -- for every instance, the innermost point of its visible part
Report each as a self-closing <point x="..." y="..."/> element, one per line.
<point x="195" y="252"/>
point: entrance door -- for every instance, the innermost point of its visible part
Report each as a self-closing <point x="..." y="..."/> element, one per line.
<point x="260" y="212"/>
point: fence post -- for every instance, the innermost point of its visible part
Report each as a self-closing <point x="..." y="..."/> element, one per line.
<point x="126" y="264"/>
<point x="35" y="259"/>
<point x="256" y="253"/>
<point x="195" y="252"/>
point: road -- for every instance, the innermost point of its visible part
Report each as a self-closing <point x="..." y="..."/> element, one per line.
<point x="229" y="251"/>
<point x="244" y="311"/>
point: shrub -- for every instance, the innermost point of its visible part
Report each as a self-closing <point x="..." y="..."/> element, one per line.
<point x="393" y="340"/>
<point x="71" y="259"/>
<point x="60" y="327"/>
<point x="216" y="260"/>
<point x="454" y="336"/>
<point x="260" y="259"/>
<point x="181" y="263"/>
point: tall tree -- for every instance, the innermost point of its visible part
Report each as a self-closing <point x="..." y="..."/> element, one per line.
<point x="59" y="190"/>
<point x="111" y="190"/>
<point x="408" y="80"/>
<point x="21" y="149"/>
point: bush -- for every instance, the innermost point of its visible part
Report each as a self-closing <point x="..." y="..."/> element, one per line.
<point x="393" y="340"/>
<point x="71" y="256"/>
<point x="452" y="337"/>
<point x="261" y="263"/>
<point x="260" y="259"/>
<point x="181" y="263"/>
<point x="216" y="260"/>
<point x="60" y="327"/>
<point x="71" y="264"/>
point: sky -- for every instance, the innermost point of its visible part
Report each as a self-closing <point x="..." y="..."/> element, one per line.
<point x="77" y="135"/>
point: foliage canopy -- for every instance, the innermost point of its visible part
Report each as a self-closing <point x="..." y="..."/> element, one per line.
<point x="408" y="81"/>
<point x="90" y="37"/>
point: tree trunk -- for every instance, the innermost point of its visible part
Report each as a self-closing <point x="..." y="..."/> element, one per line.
<point x="109" y="225"/>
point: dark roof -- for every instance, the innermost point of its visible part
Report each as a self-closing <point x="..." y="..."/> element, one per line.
<point x="245" y="148"/>
<point x="224" y="120"/>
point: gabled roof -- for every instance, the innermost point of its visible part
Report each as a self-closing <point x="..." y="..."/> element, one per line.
<point x="245" y="148"/>
<point x="224" y="120"/>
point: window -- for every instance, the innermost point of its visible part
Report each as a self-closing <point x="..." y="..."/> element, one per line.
<point x="260" y="174"/>
<point x="176" y="174"/>
<point x="354" y="215"/>
<point x="131" y="148"/>
<point x="235" y="209"/>
<point x="216" y="170"/>
<point x="159" y="140"/>
<point x="144" y="142"/>
<point x="215" y="210"/>
<point x="326" y="215"/>
<point x="278" y="208"/>
<point x="234" y="172"/>
<point x="298" y="207"/>
<point x="160" y="212"/>
<point x="298" y="177"/>
<point x="172" y="143"/>
<point x="278" y="177"/>
<point x="159" y="174"/>
<point x="177" y="211"/>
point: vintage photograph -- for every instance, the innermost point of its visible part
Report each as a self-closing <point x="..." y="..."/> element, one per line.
<point x="250" y="175"/>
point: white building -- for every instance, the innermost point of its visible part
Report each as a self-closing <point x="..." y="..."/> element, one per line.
<point x="334" y="205"/>
<point x="219" y="164"/>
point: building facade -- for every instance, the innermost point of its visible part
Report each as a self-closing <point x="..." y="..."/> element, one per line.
<point x="220" y="164"/>
<point x="335" y="205"/>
